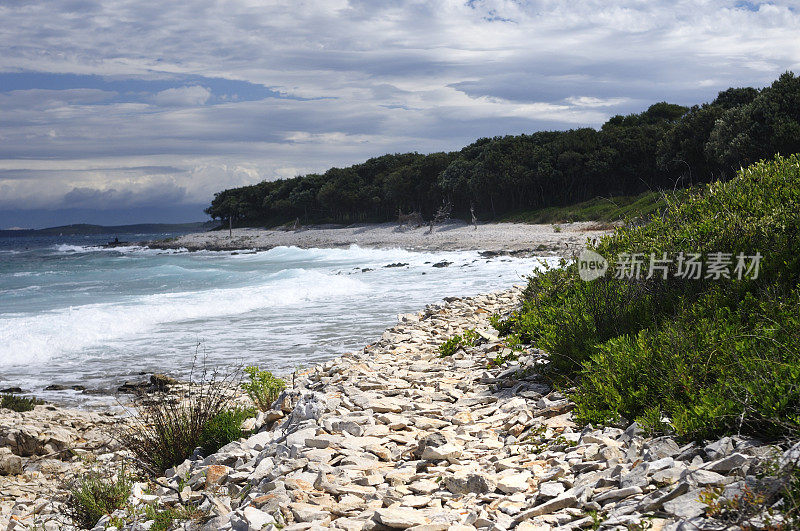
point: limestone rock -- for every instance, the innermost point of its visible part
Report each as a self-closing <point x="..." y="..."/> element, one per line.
<point x="10" y="464"/>
<point x="399" y="518"/>
<point x="514" y="483"/>
<point x="469" y="483"/>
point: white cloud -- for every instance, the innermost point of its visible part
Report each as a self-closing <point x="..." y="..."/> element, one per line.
<point x="182" y="97"/>
<point x="589" y="101"/>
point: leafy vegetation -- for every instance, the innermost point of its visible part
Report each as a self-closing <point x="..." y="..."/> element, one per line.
<point x="168" y="430"/>
<point x="608" y="209"/>
<point x="716" y="355"/>
<point x="771" y="502"/>
<point x="263" y="387"/>
<point x="224" y="427"/>
<point x="20" y="404"/>
<point x="512" y="347"/>
<point x="664" y="147"/>
<point x="95" y="496"/>
<point x="468" y="339"/>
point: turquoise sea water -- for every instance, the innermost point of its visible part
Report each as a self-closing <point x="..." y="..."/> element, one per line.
<point x="74" y="313"/>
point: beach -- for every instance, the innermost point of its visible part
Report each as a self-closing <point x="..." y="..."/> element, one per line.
<point x="397" y="436"/>
<point x="560" y="239"/>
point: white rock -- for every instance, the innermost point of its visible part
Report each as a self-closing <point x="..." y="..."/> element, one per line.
<point x="551" y="489"/>
<point x="437" y="453"/>
<point x="257" y="519"/>
<point x="399" y="518"/>
<point x="514" y="483"/>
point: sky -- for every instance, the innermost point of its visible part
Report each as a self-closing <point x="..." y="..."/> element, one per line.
<point x="123" y="111"/>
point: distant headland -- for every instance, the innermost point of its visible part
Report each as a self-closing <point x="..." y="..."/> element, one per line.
<point x="81" y="229"/>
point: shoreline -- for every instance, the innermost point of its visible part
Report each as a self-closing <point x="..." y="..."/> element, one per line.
<point x="499" y="238"/>
<point x="394" y="436"/>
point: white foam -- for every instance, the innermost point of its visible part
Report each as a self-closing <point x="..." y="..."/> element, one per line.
<point x="357" y="255"/>
<point x="31" y="338"/>
<point x="68" y="248"/>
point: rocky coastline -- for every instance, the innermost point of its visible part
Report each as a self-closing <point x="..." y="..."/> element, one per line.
<point x="397" y="437"/>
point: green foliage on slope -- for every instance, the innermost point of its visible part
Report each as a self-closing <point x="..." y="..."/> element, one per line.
<point x="607" y="209"/>
<point x="699" y="357"/>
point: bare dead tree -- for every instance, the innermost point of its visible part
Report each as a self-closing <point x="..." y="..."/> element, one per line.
<point x="472" y="213"/>
<point x="414" y="217"/>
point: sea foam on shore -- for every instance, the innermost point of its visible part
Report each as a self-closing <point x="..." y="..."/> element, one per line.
<point x="93" y="317"/>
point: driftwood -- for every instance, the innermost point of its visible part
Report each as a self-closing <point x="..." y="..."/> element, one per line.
<point x="443" y="214"/>
<point x="412" y="218"/>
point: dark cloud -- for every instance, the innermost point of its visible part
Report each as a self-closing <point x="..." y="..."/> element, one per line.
<point x="111" y="198"/>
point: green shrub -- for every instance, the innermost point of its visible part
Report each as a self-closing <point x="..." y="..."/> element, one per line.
<point x="770" y="502"/>
<point x="468" y="339"/>
<point x="223" y="428"/>
<point x="96" y="496"/>
<point x="513" y="346"/>
<point x="697" y="357"/>
<point x="263" y="387"/>
<point x="20" y="404"/>
<point x="569" y="317"/>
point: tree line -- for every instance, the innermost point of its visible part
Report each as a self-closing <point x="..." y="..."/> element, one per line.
<point x="664" y="147"/>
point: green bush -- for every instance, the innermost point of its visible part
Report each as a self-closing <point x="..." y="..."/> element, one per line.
<point x="223" y="428"/>
<point x="263" y="387"/>
<point x="468" y="339"/>
<point x="96" y="496"/>
<point x="699" y="357"/>
<point x="20" y="404"/>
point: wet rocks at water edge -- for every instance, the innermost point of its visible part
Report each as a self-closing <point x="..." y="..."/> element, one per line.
<point x="397" y="437"/>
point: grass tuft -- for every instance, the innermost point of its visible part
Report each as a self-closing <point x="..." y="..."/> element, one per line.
<point x="168" y="429"/>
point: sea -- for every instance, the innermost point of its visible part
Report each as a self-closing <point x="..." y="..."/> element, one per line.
<point x="74" y="313"/>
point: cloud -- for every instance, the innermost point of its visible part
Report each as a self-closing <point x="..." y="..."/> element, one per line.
<point x="182" y="97"/>
<point x="85" y="197"/>
<point x="232" y="93"/>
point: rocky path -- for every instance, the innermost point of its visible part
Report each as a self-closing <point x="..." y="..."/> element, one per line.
<point x="395" y="437"/>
